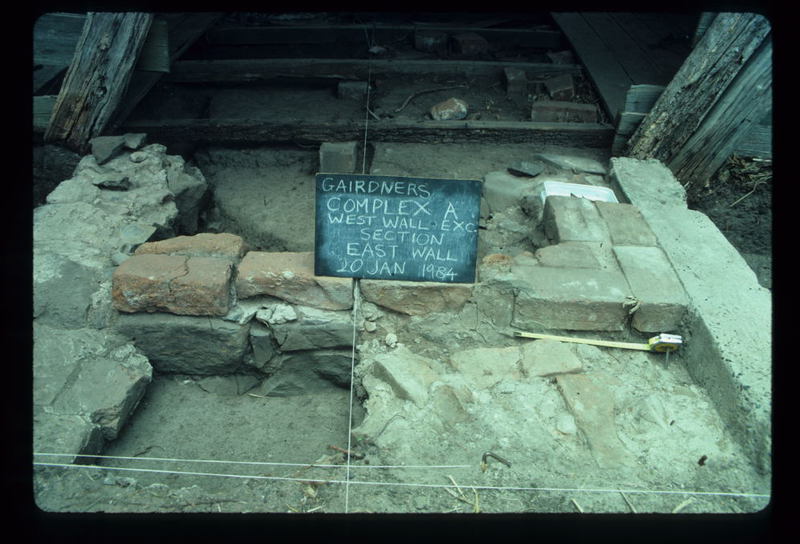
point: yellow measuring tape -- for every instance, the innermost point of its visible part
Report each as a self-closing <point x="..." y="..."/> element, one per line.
<point x="663" y="343"/>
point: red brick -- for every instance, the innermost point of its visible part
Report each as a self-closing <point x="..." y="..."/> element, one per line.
<point x="172" y="283"/>
<point x="290" y="276"/>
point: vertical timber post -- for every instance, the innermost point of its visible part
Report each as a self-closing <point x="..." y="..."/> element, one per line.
<point x="707" y="93"/>
<point x="98" y="77"/>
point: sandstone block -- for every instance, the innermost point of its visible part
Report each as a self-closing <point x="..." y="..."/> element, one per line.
<point x="171" y="283"/>
<point x="568" y="255"/>
<point x="570" y="219"/>
<point x="553" y="111"/>
<point x="625" y="223"/>
<point x="315" y="329"/>
<point x="290" y="276"/>
<point x="485" y="367"/>
<point x="591" y="401"/>
<point x="548" y="357"/>
<point x="338" y="157"/>
<point x="416" y="298"/>
<point x="569" y="299"/>
<point x="450" y="109"/>
<point x="205" y="244"/>
<point x="187" y="344"/>
<point x="662" y="300"/>
<point x="409" y="375"/>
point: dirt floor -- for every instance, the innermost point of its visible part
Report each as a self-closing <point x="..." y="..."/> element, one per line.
<point x="213" y="445"/>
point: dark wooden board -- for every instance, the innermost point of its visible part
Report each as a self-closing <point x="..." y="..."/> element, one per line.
<point x="399" y="228"/>
<point x="237" y="131"/>
<point x="249" y="70"/>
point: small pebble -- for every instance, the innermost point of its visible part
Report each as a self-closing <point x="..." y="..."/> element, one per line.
<point x="370" y="326"/>
<point x="391" y="340"/>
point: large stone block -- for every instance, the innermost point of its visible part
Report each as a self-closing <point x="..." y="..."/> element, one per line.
<point x="625" y="224"/>
<point x="662" y="301"/>
<point x="94" y="374"/>
<point x="409" y="375"/>
<point x="187" y="344"/>
<point x="65" y="291"/>
<point x="571" y="219"/>
<point x="416" y="297"/>
<point x="172" y="283"/>
<point x="569" y="299"/>
<point x="315" y="329"/>
<point x="338" y="157"/>
<point x="290" y="276"/>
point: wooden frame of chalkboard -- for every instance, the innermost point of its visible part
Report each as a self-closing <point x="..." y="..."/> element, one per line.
<point x="398" y="228"/>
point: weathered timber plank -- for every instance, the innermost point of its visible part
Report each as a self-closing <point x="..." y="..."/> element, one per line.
<point x="742" y="106"/>
<point x="705" y="75"/>
<point x="605" y="71"/>
<point x="594" y="135"/>
<point x="757" y="143"/>
<point x="249" y="70"/>
<point x="381" y="34"/>
<point x="641" y="98"/>
<point x="98" y="76"/>
<point x="628" y="52"/>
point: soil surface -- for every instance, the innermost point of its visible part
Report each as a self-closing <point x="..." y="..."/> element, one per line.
<point x="216" y="445"/>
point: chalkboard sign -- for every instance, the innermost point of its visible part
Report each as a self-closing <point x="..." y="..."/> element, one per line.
<point x="399" y="228"/>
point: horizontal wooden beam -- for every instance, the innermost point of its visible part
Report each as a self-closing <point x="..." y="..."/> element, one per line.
<point x="247" y="70"/>
<point x="239" y="131"/>
<point x="379" y="34"/>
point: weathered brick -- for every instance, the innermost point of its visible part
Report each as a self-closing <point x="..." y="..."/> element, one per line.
<point x="290" y="276"/>
<point x="516" y="83"/>
<point x="352" y="90"/>
<point x="205" y="244"/>
<point x="653" y="282"/>
<point x="416" y="297"/>
<point x="561" y="87"/>
<point x="171" y="283"/>
<point x="338" y="157"/>
<point x="570" y="219"/>
<point x="551" y="111"/>
<point x="625" y="223"/>
<point x="470" y="44"/>
<point x="569" y="298"/>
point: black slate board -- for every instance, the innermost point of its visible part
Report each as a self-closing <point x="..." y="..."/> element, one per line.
<point x="398" y="228"/>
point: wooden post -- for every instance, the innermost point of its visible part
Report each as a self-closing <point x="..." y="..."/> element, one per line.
<point x="743" y="105"/>
<point x="98" y="77"/>
<point x="687" y="105"/>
